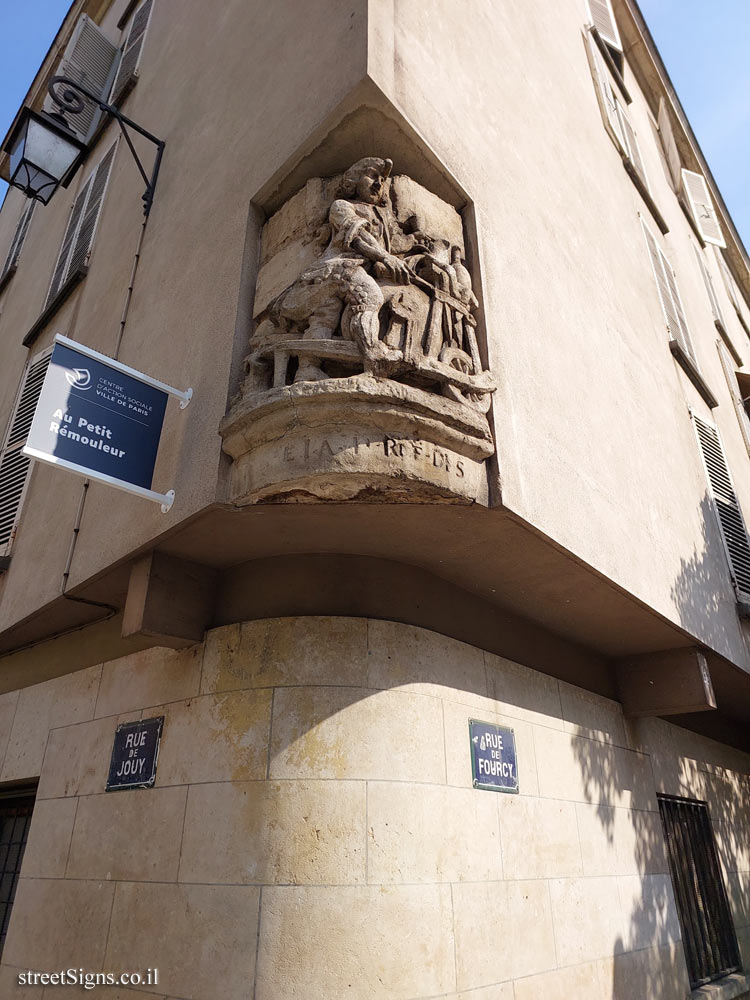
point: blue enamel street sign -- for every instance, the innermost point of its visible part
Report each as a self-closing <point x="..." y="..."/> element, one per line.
<point x="101" y="419"/>
<point x="134" y="754"/>
<point x="493" y="757"/>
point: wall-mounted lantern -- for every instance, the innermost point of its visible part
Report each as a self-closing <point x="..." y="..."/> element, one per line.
<point x="45" y="152"/>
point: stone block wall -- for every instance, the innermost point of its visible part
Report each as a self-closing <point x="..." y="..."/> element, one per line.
<point x="313" y="831"/>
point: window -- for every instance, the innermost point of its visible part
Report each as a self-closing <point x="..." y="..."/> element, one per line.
<point x="732" y="291"/>
<point x="726" y="505"/>
<point x="735" y="391"/>
<point x="721" y="326"/>
<point x="702" y="208"/>
<point x="708" y="935"/>
<point x="91" y="59"/>
<point x="16" y="245"/>
<point x="14" y="465"/>
<point x="680" y="342"/>
<point x="689" y="185"/>
<point x="619" y="126"/>
<point x="15" y="817"/>
<point x="603" y="19"/>
<point x="127" y="72"/>
<point x="669" y="145"/>
<point x="75" y="251"/>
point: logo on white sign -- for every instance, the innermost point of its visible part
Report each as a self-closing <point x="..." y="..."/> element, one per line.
<point x="79" y="378"/>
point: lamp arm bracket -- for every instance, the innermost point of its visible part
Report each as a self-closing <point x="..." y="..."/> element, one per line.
<point x="68" y="98"/>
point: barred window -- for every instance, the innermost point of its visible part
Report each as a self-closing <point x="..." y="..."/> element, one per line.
<point x="707" y="931"/>
<point x="15" y="817"/>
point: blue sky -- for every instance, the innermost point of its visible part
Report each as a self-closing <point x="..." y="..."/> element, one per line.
<point x="704" y="44"/>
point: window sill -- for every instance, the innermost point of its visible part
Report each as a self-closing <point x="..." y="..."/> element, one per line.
<point x="735" y="985"/>
<point x="645" y="194"/>
<point x="690" y="369"/>
<point x="51" y="309"/>
<point x="611" y="65"/>
<point x="6" y="277"/>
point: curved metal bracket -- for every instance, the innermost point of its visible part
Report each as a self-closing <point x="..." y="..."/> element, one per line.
<point x="69" y="99"/>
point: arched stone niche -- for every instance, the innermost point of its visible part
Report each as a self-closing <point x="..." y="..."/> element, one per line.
<point x="364" y="377"/>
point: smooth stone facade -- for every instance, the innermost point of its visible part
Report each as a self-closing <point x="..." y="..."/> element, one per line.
<point x="314" y="830"/>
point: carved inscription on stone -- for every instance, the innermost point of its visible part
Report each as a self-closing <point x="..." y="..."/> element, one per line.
<point x="395" y="449"/>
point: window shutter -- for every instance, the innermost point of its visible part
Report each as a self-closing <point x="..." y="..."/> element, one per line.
<point x="731" y="522"/>
<point x="631" y="144"/>
<point x="89" y="59"/>
<point x="669" y="145"/>
<point x="669" y="296"/>
<point x="84" y="240"/>
<point x="715" y="307"/>
<point x="603" y="19"/>
<point x="729" y="371"/>
<point x="732" y="291"/>
<point x="608" y="103"/>
<point x="17" y="243"/>
<point x="702" y="208"/>
<point x="79" y="235"/>
<point x="61" y="268"/>
<point x="14" y="465"/>
<point x="127" y="72"/>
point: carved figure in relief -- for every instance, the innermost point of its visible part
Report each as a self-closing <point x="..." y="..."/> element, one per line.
<point x="383" y="295"/>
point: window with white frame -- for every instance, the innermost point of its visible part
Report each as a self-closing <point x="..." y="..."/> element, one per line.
<point x="617" y="120"/>
<point x="132" y="50"/>
<point x="90" y="58"/>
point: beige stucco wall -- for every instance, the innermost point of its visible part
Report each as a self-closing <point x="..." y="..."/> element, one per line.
<point x="314" y="831"/>
<point x="595" y="443"/>
<point x="594" y="437"/>
<point x="230" y="113"/>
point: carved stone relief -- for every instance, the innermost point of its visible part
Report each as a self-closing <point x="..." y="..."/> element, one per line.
<point x="364" y="375"/>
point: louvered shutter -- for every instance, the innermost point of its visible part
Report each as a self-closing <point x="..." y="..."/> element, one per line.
<point x="61" y="272"/>
<point x="607" y="101"/>
<point x="631" y="144"/>
<point x="669" y="296"/>
<point x="731" y="377"/>
<point x="14" y="465"/>
<point x="79" y="234"/>
<point x="89" y="59"/>
<point x="84" y="240"/>
<point x="603" y="19"/>
<point x="19" y="236"/>
<point x="702" y="208"/>
<point x="715" y="307"/>
<point x="127" y="71"/>
<point x="731" y="522"/>
<point x="669" y="145"/>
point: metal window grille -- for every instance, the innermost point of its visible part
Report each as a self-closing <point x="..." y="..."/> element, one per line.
<point x="708" y="934"/>
<point x="15" y="817"/>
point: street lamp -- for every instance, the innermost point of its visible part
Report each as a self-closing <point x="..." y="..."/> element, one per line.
<point x="45" y="152"/>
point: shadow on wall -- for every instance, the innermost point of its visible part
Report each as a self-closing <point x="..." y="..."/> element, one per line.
<point x="648" y="954"/>
<point x="703" y="609"/>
